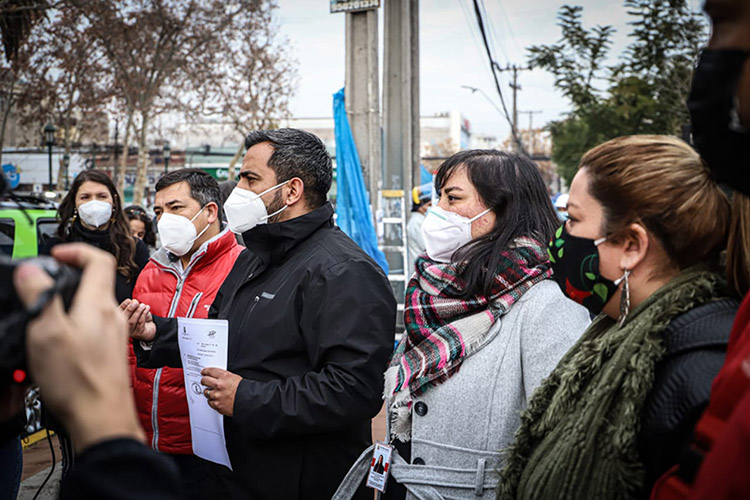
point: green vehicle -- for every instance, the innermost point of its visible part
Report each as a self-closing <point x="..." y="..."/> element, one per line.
<point x="24" y="227"/>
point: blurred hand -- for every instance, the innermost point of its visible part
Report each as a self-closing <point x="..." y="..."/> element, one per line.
<point x="79" y="359"/>
<point x="140" y="322"/>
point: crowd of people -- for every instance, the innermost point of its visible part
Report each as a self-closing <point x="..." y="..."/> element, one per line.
<point x="599" y="348"/>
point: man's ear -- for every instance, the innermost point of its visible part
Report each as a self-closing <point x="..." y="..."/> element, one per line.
<point x="636" y="246"/>
<point x="295" y="191"/>
<point x="212" y="211"/>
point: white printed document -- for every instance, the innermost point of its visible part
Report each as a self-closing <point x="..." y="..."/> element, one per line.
<point x="203" y="343"/>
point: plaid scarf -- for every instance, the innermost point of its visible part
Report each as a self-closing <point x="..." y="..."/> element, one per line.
<point x="443" y="329"/>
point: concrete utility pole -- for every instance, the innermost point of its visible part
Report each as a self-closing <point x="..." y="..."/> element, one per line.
<point x="516" y="87"/>
<point x="531" y="129"/>
<point x="362" y="94"/>
<point x="401" y="95"/>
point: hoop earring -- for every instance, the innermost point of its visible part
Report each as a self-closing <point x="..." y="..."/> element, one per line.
<point x="624" y="297"/>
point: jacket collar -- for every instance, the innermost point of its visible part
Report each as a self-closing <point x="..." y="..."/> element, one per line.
<point x="203" y="256"/>
<point x="273" y="241"/>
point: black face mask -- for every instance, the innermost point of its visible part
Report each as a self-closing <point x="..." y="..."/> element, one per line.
<point x="719" y="137"/>
<point x="575" y="262"/>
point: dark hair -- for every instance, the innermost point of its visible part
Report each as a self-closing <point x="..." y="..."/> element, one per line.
<point x="122" y="243"/>
<point x="203" y="188"/>
<point x="297" y="153"/>
<point x="226" y="188"/>
<point x="134" y="212"/>
<point x="512" y="187"/>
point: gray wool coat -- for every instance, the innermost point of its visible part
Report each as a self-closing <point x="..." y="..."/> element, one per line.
<point x="460" y="427"/>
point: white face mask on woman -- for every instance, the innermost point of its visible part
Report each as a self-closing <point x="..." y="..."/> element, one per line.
<point x="245" y="209"/>
<point x="95" y="213"/>
<point x="445" y="232"/>
<point x="177" y="233"/>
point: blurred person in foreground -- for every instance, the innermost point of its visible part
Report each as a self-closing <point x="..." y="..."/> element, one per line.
<point x="615" y="413"/>
<point x="717" y="463"/>
<point x="79" y="360"/>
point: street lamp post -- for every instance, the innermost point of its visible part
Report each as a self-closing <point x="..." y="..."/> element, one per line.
<point x="49" y="135"/>
<point x="167" y="152"/>
<point x="66" y="164"/>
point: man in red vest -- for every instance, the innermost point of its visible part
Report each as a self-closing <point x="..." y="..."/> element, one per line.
<point x="181" y="280"/>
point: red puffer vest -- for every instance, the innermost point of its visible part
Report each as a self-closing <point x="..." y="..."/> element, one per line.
<point x="160" y="394"/>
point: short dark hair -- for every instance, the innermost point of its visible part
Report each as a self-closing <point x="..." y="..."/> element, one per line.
<point x="512" y="187"/>
<point x="203" y="188"/>
<point x="297" y="153"/>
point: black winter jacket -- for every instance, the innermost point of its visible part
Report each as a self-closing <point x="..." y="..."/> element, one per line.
<point x="311" y="329"/>
<point x="696" y="343"/>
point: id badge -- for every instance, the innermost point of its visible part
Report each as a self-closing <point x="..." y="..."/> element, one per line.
<point x="380" y="466"/>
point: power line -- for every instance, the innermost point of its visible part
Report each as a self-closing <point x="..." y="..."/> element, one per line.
<point x="493" y="65"/>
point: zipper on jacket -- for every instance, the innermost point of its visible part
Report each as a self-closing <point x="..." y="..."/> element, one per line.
<point x="255" y="303"/>
<point x="194" y="305"/>
<point x="181" y="277"/>
<point x="154" y="406"/>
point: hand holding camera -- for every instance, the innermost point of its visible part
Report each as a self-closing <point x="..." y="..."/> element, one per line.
<point x="79" y="358"/>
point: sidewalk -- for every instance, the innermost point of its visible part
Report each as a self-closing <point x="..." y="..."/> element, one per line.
<point x="37" y="462"/>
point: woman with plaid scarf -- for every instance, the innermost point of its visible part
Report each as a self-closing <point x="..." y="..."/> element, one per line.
<point x="484" y="326"/>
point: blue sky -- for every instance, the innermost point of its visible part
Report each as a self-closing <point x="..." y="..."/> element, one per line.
<point x="451" y="55"/>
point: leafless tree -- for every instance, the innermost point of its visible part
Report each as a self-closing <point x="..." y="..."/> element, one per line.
<point x="253" y="87"/>
<point x="66" y="81"/>
<point x="156" y="48"/>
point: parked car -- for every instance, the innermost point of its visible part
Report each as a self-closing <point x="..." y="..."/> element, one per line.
<point x="25" y="226"/>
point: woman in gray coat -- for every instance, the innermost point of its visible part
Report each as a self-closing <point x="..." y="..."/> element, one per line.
<point x="484" y="326"/>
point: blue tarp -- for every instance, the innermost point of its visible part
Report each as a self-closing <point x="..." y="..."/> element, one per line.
<point x="352" y="202"/>
<point x="425" y="177"/>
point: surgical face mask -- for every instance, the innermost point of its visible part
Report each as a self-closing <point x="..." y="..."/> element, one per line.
<point x="245" y="209"/>
<point x="177" y="233"/>
<point x="95" y="213"/>
<point x="445" y="232"/>
<point x="722" y="141"/>
<point x="575" y="262"/>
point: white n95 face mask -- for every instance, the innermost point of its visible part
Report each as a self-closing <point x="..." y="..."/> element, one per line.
<point x="445" y="232"/>
<point x="177" y="233"/>
<point x="245" y="209"/>
<point x="95" y="213"/>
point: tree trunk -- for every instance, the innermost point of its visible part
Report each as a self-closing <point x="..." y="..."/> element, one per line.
<point x="61" y="167"/>
<point x="141" y="175"/>
<point x="9" y="101"/>
<point x="122" y="168"/>
<point x="231" y="170"/>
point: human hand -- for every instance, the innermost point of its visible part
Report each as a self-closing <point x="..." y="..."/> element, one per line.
<point x="221" y="388"/>
<point x="140" y="322"/>
<point x="79" y="358"/>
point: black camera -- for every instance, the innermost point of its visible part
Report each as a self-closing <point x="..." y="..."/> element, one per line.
<point x="14" y="316"/>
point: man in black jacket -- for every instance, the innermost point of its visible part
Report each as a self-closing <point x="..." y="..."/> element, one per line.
<point x="311" y="327"/>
